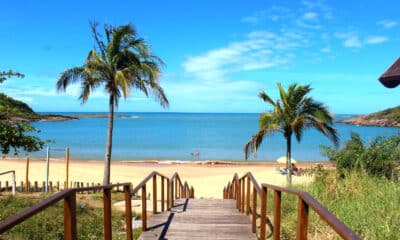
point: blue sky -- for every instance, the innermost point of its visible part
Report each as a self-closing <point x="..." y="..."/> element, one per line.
<point x="218" y="54"/>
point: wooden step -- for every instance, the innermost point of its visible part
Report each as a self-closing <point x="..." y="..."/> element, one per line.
<point x="200" y="219"/>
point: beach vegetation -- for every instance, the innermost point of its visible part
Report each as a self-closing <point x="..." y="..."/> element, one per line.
<point x="49" y="224"/>
<point x="377" y="157"/>
<point x="291" y="114"/>
<point x="16" y="135"/>
<point x="121" y="62"/>
<point x="366" y="204"/>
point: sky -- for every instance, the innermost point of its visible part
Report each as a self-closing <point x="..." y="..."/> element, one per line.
<point x="219" y="54"/>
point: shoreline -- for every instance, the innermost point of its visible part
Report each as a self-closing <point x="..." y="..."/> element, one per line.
<point x="208" y="177"/>
<point x="172" y="162"/>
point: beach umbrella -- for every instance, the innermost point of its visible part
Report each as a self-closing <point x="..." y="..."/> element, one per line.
<point x="283" y="160"/>
<point x="391" y="77"/>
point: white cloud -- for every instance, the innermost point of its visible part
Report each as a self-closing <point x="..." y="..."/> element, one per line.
<point x="259" y="50"/>
<point x="310" y="16"/>
<point x="352" y="42"/>
<point x="274" y="14"/>
<point x="350" y="39"/>
<point x="375" y="39"/>
<point x="387" y="23"/>
<point x="27" y="100"/>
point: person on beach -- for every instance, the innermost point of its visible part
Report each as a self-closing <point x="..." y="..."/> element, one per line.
<point x="295" y="170"/>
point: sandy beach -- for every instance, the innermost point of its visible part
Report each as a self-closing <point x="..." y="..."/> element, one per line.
<point x="208" y="178"/>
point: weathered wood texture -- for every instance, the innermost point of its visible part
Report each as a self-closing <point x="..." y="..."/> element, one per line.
<point x="200" y="219"/>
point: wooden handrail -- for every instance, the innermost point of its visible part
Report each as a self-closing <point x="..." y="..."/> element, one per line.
<point x="174" y="184"/>
<point x="175" y="189"/>
<point x="69" y="196"/>
<point x="145" y="180"/>
<point x="12" y="172"/>
<point x="236" y="190"/>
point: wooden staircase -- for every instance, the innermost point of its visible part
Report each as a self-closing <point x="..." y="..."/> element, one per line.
<point x="200" y="219"/>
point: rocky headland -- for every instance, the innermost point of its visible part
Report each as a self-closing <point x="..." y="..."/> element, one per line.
<point x="386" y="118"/>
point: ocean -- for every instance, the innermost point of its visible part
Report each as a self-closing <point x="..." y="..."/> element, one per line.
<point x="179" y="136"/>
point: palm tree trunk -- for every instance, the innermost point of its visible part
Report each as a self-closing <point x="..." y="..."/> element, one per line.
<point x="107" y="160"/>
<point x="289" y="159"/>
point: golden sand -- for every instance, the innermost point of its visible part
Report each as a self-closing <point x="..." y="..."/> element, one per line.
<point x="207" y="178"/>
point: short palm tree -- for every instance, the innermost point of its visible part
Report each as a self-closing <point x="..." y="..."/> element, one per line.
<point x="293" y="113"/>
<point x="120" y="62"/>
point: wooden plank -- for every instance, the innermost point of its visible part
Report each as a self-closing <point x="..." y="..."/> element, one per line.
<point x="200" y="219"/>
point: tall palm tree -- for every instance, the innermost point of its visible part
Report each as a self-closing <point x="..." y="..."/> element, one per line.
<point x="120" y="62"/>
<point x="293" y="113"/>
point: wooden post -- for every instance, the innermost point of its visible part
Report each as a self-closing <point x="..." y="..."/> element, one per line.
<point x="128" y="211"/>
<point x="263" y="211"/>
<point x="36" y="186"/>
<point x="277" y="215"/>
<point x="107" y="213"/>
<point x="44" y="187"/>
<point x="254" y="211"/>
<point x="155" y="194"/>
<point x="243" y="196"/>
<point x="169" y="194"/>
<point x="176" y="189"/>
<point x="67" y="166"/>
<point x="248" y="196"/>
<point x="7" y="186"/>
<point x="27" y="175"/>
<point x="14" y="183"/>
<point x="144" y="208"/>
<point x="162" y="195"/>
<point x="70" y="232"/>
<point x="302" y="219"/>
<point x="58" y="185"/>
<point x="238" y="195"/>
<point x="51" y="186"/>
<point x="47" y="169"/>
<point x="21" y="189"/>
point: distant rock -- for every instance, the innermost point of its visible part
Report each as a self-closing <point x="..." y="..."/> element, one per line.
<point x="99" y="115"/>
<point x="55" y="118"/>
<point x="386" y="118"/>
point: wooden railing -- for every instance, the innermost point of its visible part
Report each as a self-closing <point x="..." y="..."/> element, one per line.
<point x="13" y="183"/>
<point x="175" y="189"/>
<point x="242" y="188"/>
<point x="69" y="197"/>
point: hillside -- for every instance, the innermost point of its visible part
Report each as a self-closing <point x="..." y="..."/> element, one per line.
<point x="387" y="118"/>
<point x="16" y="110"/>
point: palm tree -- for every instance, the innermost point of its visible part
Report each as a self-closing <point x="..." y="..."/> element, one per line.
<point x="120" y="62"/>
<point x="293" y="113"/>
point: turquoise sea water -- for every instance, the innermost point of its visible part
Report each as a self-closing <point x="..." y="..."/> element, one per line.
<point x="174" y="136"/>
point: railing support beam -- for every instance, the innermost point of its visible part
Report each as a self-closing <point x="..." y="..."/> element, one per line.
<point x="302" y="220"/>
<point x="107" y="213"/>
<point x="277" y="215"/>
<point x="263" y="211"/>
<point x="128" y="212"/>
<point x="144" y="209"/>
<point x="70" y="232"/>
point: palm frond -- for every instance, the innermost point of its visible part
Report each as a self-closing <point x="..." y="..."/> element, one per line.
<point x="325" y="129"/>
<point x="68" y="77"/>
<point x="264" y="96"/>
<point x="256" y="140"/>
<point x="97" y="37"/>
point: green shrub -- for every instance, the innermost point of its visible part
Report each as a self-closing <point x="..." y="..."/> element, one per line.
<point x="366" y="204"/>
<point x="377" y="158"/>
